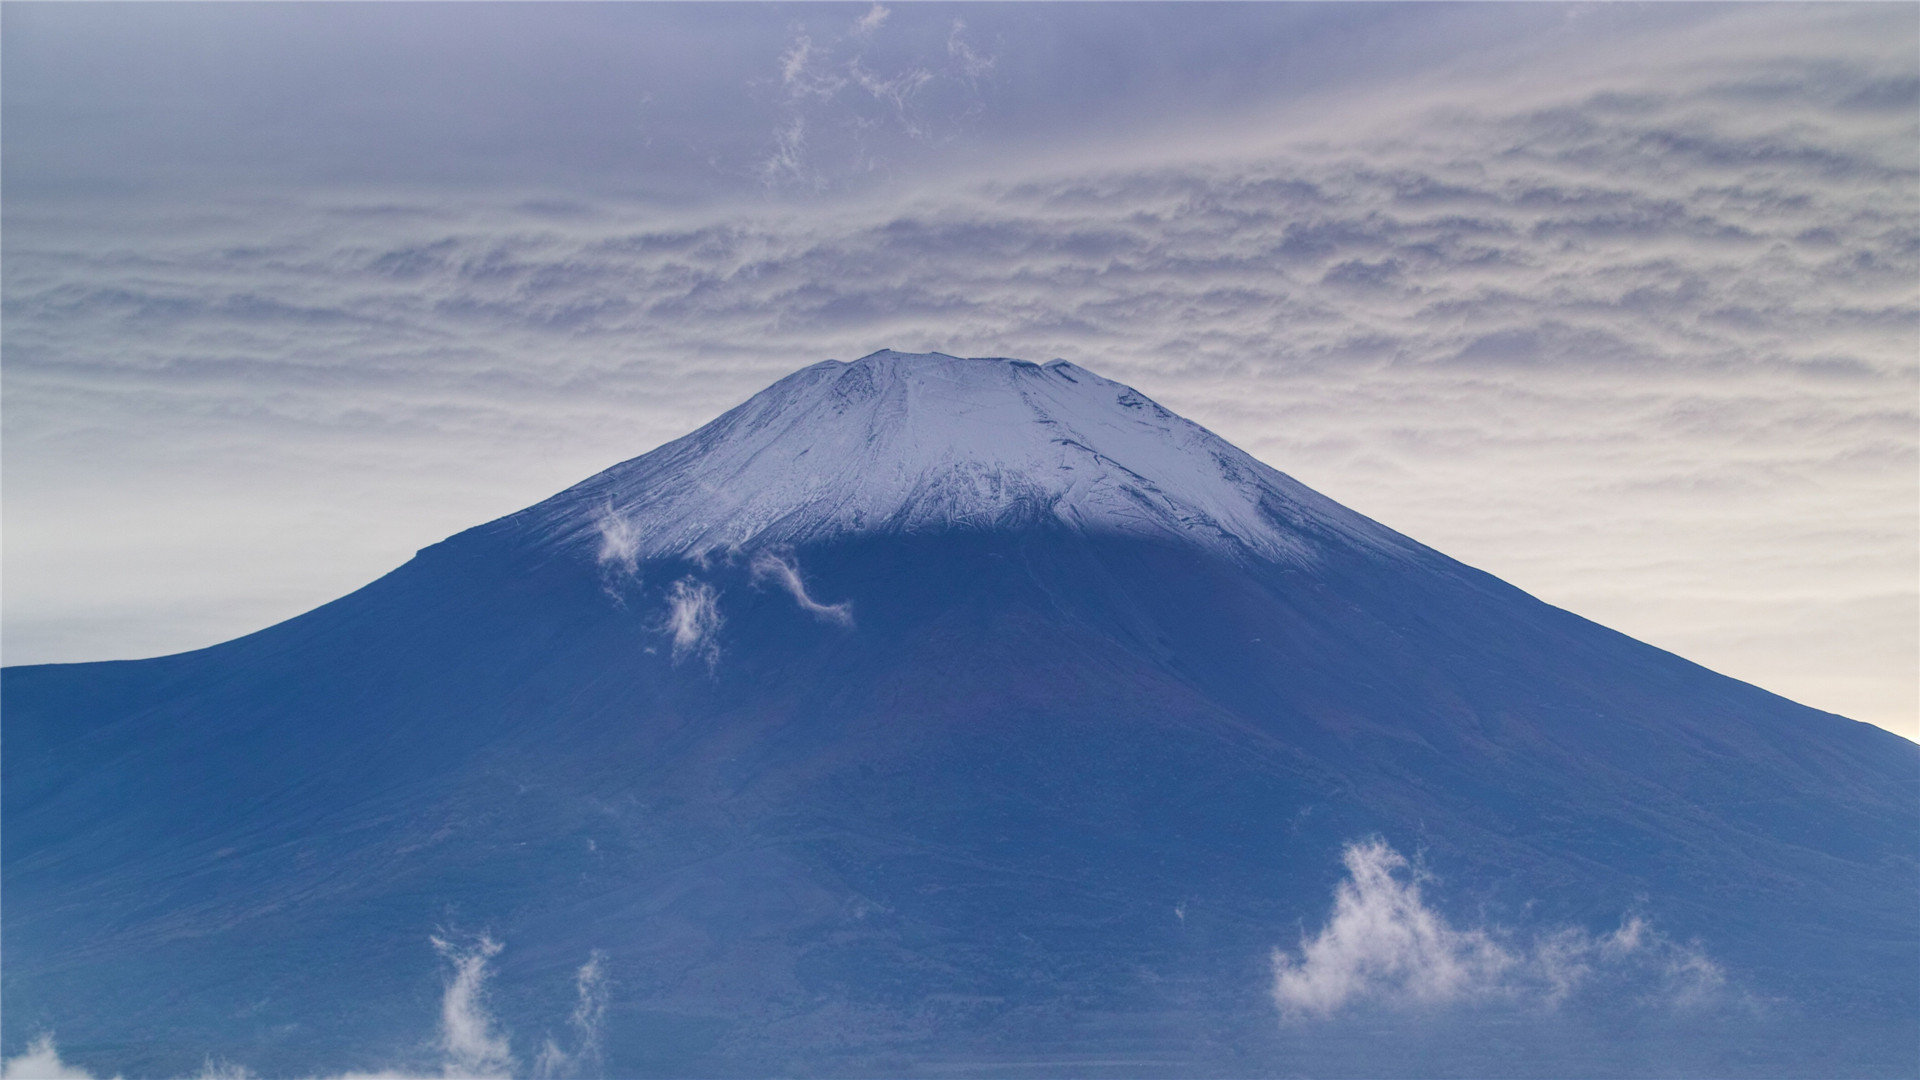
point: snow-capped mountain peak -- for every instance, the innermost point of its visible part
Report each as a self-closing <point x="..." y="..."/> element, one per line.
<point x="905" y="442"/>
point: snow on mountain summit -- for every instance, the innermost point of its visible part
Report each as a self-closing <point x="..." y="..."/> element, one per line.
<point x="904" y="442"/>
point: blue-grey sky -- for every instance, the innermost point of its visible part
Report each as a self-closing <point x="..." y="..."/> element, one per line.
<point x="1618" y="302"/>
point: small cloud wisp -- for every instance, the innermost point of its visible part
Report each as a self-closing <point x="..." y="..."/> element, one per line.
<point x="619" y="555"/>
<point x="785" y="572"/>
<point x="693" y="618"/>
<point x="589" y="1012"/>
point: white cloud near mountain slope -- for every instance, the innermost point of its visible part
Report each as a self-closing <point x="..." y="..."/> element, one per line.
<point x="1383" y="945"/>
<point x="693" y="619"/>
<point x="470" y="1042"/>
<point x="1647" y="350"/>
<point x="782" y="570"/>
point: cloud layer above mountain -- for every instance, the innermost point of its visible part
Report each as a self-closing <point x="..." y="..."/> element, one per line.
<point x="1623" y="310"/>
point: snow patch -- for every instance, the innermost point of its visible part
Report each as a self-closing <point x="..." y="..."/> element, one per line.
<point x="899" y="442"/>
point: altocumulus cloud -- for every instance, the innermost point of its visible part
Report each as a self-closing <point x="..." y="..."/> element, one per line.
<point x="1644" y="345"/>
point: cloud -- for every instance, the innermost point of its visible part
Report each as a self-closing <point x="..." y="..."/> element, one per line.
<point x="973" y="64"/>
<point x="472" y="1044"/>
<point x="619" y="552"/>
<point x="1640" y="341"/>
<point x="875" y="17"/>
<point x="784" y="571"/>
<point x="847" y="107"/>
<point x="589" y="1013"/>
<point x="693" y="618"/>
<point x="1383" y="941"/>
<point x="41" y="1061"/>
<point x="1382" y="945"/>
<point x="468" y="1035"/>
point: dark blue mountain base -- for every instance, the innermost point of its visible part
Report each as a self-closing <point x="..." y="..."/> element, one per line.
<point x="1045" y="808"/>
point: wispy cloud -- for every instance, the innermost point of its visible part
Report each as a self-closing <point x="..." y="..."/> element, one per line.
<point x="874" y="19"/>
<point x="472" y="1043"/>
<point x="842" y="99"/>
<point x="469" y="1036"/>
<point x="693" y="618"/>
<point x="1383" y="945"/>
<point x="973" y="63"/>
<point x="619" y="551"/>
<point x="589" y="1014"/>
<point x="783" y="570"/>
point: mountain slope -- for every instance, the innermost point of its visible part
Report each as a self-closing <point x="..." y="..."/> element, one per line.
<point x="927" y="714"/>
<point x="913" y="443"/>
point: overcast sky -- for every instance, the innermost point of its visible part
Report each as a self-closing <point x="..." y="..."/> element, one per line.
<point x="1619" y="303"/>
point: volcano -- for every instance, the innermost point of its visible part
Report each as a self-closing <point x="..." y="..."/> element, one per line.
<point x="926" y="715"/>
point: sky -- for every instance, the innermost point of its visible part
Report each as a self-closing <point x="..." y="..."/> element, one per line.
<point x="1620" y="303"/>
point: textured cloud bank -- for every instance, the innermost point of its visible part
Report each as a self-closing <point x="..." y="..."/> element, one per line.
<point x="1643" y="344"/>
<point x="472" y="1044"/>
<point x="1382" y="945"/>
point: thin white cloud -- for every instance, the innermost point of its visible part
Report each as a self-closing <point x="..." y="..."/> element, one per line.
<point x="693" y="618"/>
<point x="805" y="73"/>
<point x="619" y="549"/>
<point x="788" y="161"/>
<point x="973" y="63"/>
<point x="469" y="1036"/>
<point x="589" y="1014"/>
<point x="471" y="1042"/>
<point x="854" y="100"/>
<point x="896" y="91"/>
<point x="875" y="17"/>
<point x="1382" y="945"/>
<point x="41" y="1061"/>
<point x="784" y="571"/>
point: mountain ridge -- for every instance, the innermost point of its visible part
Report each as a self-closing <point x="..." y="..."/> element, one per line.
<point x="903" y="441"/>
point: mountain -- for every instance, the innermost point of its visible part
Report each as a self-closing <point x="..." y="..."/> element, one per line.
<point x="926" y="715"/>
